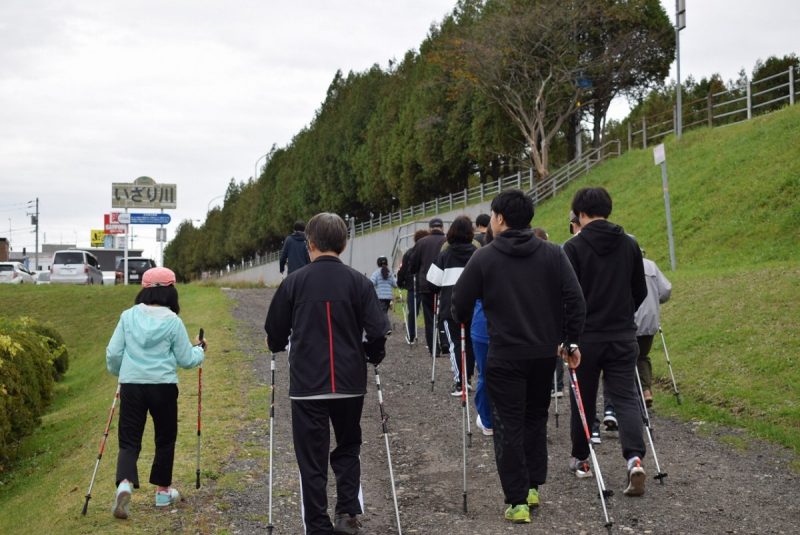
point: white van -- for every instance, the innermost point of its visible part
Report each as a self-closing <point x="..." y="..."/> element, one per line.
<point x="74" y="266"/>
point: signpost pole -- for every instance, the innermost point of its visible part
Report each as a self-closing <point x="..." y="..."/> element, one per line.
<point x="660" y="157"/>
<point x="125" y="250"/>
<point x="161" y="237"/>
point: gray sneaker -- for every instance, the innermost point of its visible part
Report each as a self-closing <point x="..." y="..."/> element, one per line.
<point x="345" y="524"/>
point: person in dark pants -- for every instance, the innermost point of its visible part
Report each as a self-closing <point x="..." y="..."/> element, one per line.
<point x="425" y="252"/>
<point x="406" y="281"/>
<point x="329" y="315"/>
<point x="147" y="346"/>
<point x="533" y="303"/>
<point x="294" y="252"/>
<point x="608" y="263"/>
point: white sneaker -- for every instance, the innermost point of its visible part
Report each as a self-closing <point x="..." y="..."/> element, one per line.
<point x="636" y="478"/>
<point x="122" y="500"/>
<point x="165" y="499"/>
<point x="580" y="468"/>
<point x="485" y="430"/>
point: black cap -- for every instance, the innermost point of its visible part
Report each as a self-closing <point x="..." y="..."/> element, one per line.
<point x="436" y="223"/>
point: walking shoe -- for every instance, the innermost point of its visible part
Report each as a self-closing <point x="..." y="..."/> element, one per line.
<point x="581" y="468"/>
<point x="648" y="398"/>
<point x="610" y="420"/>
<point x="346" y="524"/>
<point x="533" y="498"/>
<point x="456" y="390"/>
<point x="485" y="430"/>
<point x="557" y="393"/>
<point x="595" y="434"/>
<point x="519" y="514"/>
<point x="165" y="498"/>
<point x="122" y="500"/>
<point x="636" y="477"/>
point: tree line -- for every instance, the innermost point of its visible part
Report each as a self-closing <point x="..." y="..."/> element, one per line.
<point x="495" y="87"/>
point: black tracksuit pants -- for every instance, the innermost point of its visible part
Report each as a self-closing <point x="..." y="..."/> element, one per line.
<point x="412" y="303"/>
<point x="311" y="421"/>
<point x="427" y="313"/>
<point x="617" y="362"/>
<point x="519" y="390"/>
<point x="136" y="400"/>
<point x="452" y="331"/>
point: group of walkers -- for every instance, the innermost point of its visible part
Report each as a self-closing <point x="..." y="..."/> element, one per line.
<point x="527" y="304"/>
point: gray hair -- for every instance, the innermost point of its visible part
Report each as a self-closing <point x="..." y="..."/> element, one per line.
<point x="327" y="232"/>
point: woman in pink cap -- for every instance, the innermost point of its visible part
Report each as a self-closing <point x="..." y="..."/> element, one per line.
<point x="148" y="345"/>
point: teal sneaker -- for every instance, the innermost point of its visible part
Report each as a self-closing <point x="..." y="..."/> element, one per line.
<point x="533" y="498"/>
<point x="122" y="500"/>
<point x="167" y="498"/>
<point x="518" y="514"/>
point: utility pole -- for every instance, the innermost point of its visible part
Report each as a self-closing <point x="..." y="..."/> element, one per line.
<point x="34" y="221"/>
<point x="680" y="23"/>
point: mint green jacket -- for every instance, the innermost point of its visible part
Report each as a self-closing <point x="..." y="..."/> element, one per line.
<point x="148" y="345"/>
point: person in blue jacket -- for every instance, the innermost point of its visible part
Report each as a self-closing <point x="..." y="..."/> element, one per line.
<point x="147" y="346"/>
<point x="383" y="280"/>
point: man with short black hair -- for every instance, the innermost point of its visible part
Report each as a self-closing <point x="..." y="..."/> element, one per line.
<point x="425" y="252"/>
<point x="331" y="315"/>
<point x="608" y="263"/>
<point x="294" y="251"/>
<point x="533" y="303"/>
<point x="481" y="225"/>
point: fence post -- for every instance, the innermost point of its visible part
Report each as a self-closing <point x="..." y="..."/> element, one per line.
<point x="519" y="179"/>
<point x="710" y="108"/>
<point x="644" y="131"/>
<point x="791" y="85"/>
<point x="436" y="205"/>
<point x="450" y="197"/>
<point x="629" y="135"/>
<point x="499" y="184"/>
<point x="749" y="101"/>
<point x="482" y="186"/>
<point x="465" y="197"/>
<point x="530" y="177"/>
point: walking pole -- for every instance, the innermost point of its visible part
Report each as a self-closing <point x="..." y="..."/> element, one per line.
<point x="464" y="413"/>
<point x="271" y="425"/>
<point x="384" y="419"/>
<point x="465" y="385"/>
<point x="555" y="391"/>
<point x="648" y="428"/>
<point x="669" y="364"/>
<point x="416" y="311"/>
<point x="199" y="411"/>
<point x="405" y="322"/>
<point x="601" y="486"/>
<point x="435" y="338"/>
<point x="102" y="448"/>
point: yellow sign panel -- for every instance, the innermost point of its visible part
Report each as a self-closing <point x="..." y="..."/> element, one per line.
<point x="98" y="235"/>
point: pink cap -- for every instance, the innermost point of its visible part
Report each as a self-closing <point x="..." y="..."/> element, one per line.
<point x="158" y="276"/>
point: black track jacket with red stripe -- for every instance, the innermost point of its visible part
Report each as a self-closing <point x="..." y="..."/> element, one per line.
<point x="328" y="309"/>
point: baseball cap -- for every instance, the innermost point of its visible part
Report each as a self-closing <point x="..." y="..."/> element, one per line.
<point x="436" y="223"/>
<point x="158" y="276"/>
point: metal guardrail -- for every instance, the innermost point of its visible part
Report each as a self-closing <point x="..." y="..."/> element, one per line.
<point x="739" y="103"/>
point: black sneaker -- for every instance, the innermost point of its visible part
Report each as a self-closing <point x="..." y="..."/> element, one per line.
<point x="345" y="524"/>
<point x="595" y="438"/>
<point x="456" y="390"/>
<point x="610" y="420"/>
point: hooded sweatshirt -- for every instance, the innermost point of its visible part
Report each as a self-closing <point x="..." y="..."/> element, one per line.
<point x="609" y="266"/>
<point x="530" y="295"/>
<point x="148" y="345"/>
<point x="445" y="271"/>
<point x="294" y="252"/>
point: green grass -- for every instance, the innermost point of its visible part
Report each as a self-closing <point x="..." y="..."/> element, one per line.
<point x="732" y="323"/>
<point x="44" y="492"/>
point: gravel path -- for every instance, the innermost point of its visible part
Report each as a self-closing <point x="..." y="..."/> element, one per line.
<point x="712" y="487"/>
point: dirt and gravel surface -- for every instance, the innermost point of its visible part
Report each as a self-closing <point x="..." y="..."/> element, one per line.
<point x="712" y="487"/>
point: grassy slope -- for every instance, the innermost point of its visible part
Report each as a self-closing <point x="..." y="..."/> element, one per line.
<point x="45" y="492"/>
<point x="732" y="323"/>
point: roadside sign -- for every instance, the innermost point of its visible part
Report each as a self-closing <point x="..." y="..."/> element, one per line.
<point x="143" y="192"/>
<point x="97" y="237"/>
<point x="111" y="224"/>
<point x="659" y="154"/>
<point x="148" y="219"/>
<point x="161" y="234"/>
<point x="124" y="218"/>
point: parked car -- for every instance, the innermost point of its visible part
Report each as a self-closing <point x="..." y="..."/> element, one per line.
<point x="15" y="273"/>
<point x="42" y="277"/>
<point x="74" y="266"/>
<point x="136" y="268"/>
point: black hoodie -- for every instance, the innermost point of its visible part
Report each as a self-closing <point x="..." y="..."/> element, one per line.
<point x="295" y="251"/>
<point x="531" y="297"/>
<point x="609" y="266"/>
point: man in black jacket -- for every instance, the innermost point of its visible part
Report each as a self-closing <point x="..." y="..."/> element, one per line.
<point x="294" y="251"/>
<point x="327" y="309"/>
<point x="533" y="303"/>
<point x="609" y="266"/>
<point x="425" y="252"/>
<point x="407" y="281"/>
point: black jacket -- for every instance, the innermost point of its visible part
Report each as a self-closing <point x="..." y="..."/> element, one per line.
<point x="327" y="307"/>
<point x="295" y="251"/>
<point x="405" y="279"/>
<point x="445" y="271"/>
<point x="425" y="252"/>
<point x="609" y="266"/>
<point x="531" y="297"/>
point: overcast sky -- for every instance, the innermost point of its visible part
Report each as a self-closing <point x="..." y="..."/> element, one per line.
<point x="192" y="92"/>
